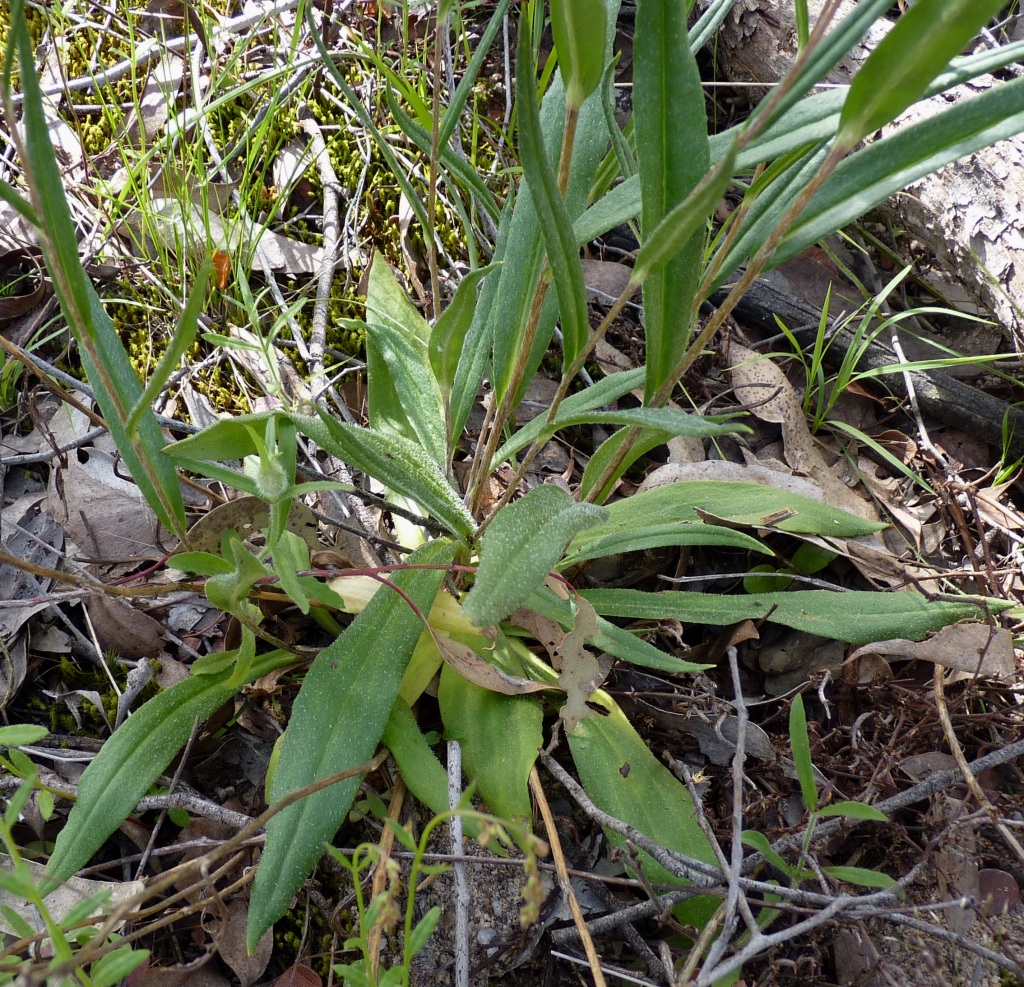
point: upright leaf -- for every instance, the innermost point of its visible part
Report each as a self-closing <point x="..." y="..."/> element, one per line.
<point x="337" y="721"/>
<point x="578" y="27"/>
<point x="672" y="152"/>
<point x="555" y="222"/>
<point x="103" y="355"/>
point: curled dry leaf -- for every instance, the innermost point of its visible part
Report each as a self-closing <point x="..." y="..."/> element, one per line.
<point x="482" y="673"/>
<point x="971" y="649"/>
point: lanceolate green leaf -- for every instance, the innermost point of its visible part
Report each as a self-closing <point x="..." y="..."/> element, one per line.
<point x="555" y="222"/>
<point x="751" y="504"/>
<point x="338" y="719"/>
<point x="103" y="355"/>
<point x="857" y="617"/>
<point x="623" y="778"/>
<point x="926" y="38"/>
<point x="673" y="156"/>
<point x="449" y="332"/>
<point x="522" y="545"/>
<point x="133" y="757"/>
<point x="399" y="464"/>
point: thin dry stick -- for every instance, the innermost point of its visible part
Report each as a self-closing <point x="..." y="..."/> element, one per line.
<point x="325" y="276"/>
<point x="563" y="878"/>
<point x="938" y="688"/>
<point x="380" y="874"/>
<point x="461" y="878"/>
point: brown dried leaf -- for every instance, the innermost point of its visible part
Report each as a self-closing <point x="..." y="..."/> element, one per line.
<point x="231" y="945"/>
<point x="972" y="649"/>
<point x="482" y="673"/>
<point x="124" y="629"/>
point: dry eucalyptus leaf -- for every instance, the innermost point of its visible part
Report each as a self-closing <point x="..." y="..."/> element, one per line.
<point x="124" y="629"/>
<point x="231" y="945"/>
<point x="105" y="515"/>
<point x="248" y="516"/>
<point x="482" y="673"/>
<point x="972" y="649"/>
<point x="762" y="385"/>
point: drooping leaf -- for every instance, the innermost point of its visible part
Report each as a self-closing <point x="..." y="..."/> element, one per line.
<point x="857" y="617"/>
<point x="521" y="546"/>
<point x="337" y="721"/>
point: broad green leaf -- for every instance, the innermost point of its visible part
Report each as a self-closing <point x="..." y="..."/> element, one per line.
<point x="104" y="358"/>
<point x="800" y="744"/>
<point x="133" y="757"/>
<point x="422" y="772"/>
<point x="521" y="546"/>
<point x="673" y="156"/>
<point x="857" y="617"/>
<point x="610" y="637"/>
<point x="684" y="221"/>
<point x="578" y="27"/>
<point x="653" y="515"/>
<point x="399" y="464"/>
<point x="500" y="736"/>
<point x="21" y="733"/>
<point x="927" y="36"/>
<point x="337" y="721"/>
<point x="615" y="537"/>
<point x="555" y="223"/>
<point x="624" y="779"/>
<point x="403" y="397"/>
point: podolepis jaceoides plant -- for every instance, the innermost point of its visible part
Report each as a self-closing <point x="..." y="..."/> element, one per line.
<point x="505" y="560"/>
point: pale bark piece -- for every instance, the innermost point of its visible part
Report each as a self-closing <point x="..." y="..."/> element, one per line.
<point x="968" y="214"/>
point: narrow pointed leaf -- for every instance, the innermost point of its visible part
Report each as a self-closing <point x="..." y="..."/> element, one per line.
<point x="555" y="222"/>
<point x="136" y="753"/>
<point x="578" y="27"/>
<point x="926" y="38"/>
<point x="673" y="156"/>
